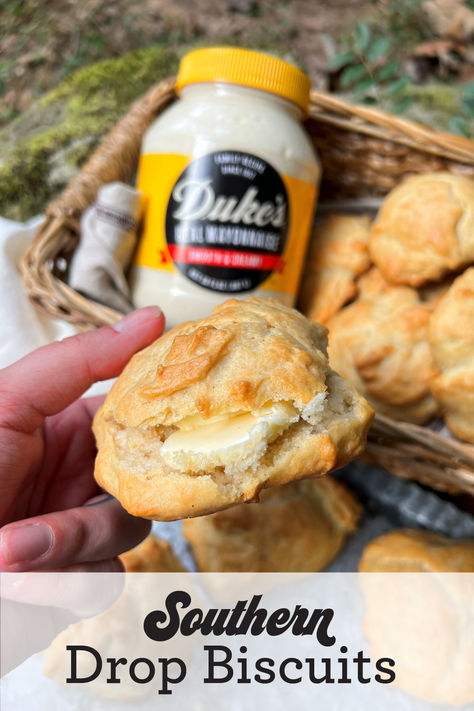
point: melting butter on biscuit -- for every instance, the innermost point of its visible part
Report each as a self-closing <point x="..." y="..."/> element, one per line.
<point x="238" y="440"/>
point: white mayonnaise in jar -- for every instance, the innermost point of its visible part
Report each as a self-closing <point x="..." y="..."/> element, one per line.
<point x="229" y="178"/>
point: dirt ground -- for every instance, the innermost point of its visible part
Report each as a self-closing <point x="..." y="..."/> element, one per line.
<point x="43" y="42"/>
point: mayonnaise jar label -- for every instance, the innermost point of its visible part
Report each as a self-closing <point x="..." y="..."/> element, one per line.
<point x="226" y="221"/>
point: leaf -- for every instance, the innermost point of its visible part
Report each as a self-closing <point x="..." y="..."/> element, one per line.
<point x="467" y="99"/>
<point x="341" y="60"/>
<point x="361" y="36"/>
<point x="387" y="71"/>
<point x="400" y="106"/>
<point x="352" y="74"/>
<point x="98" y="40"/>
<point x="364" y="84"/>
<point x="395" y="87"/>
<point x="371" y="100"/>
<point x="378" y="49"/>
<point x="467" y="107"/>
<point x="6" y="67"/>
<point x="459" y="125"/>
<point x="468" y="91"/>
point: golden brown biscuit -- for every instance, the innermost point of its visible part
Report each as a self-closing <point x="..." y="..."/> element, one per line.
<point x="338" y="254"/>
<point x="417" y="552"/>
<point x="295" y="528"/>
<point x="373" y="283"/>
<point x="153" y="555"/>
<point x="380" y="344"/>
<point x="451" y="336"/>
<point x="424" y="229"/>
<point x="217" y="409"/>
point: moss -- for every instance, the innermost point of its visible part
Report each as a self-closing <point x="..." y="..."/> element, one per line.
<point x="121" y="80"/>
<point x="68" y="123"/>
<point x="438" y="97"/>
<point x="439" y="105"/>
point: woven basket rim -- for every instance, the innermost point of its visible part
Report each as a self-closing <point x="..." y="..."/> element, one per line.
<point x="381" y="124"/>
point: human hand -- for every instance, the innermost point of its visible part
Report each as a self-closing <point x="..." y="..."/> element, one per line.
<point x="53" y="515"/>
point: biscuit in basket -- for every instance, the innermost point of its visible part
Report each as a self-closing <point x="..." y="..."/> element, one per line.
<point x="153" y="555"/>
<point x="295" y="528"/>
<point x="417" y="552"/>
<point x="380" y="344"/>
<point x="217" y="409"/>
<point x="424" y="229"/>
<point x="338" y="254"/>
<point x="451" y="337"/>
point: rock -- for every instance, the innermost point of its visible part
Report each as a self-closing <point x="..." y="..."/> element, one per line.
<point x="44" y="147"/>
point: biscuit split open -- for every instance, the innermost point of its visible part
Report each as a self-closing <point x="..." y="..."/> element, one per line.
<point x="217" y="409"/>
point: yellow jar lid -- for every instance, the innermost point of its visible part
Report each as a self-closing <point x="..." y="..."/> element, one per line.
<point x="246" y="68"/>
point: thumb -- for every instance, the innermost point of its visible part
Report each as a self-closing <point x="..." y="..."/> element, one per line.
<point x="50" y="378"/>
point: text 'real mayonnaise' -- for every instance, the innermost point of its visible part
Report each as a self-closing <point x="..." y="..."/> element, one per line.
<point x="229" y="178"/>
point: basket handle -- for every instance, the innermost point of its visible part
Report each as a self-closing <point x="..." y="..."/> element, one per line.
<point x="116" y="157"/>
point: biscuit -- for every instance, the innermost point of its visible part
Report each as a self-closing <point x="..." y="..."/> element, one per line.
<point x="451" y="336"/>
<point x="424" y="619"/>
<point x="114" y="631"/>
<point x="217" y="409"/>
<point x="299" y="527"/>
<point x="338" y="254"/>
<point x="380" y="344"/>
<point x="417" y="552"/>
<point x="153" y="555"/>
<point x="424" y="229"/>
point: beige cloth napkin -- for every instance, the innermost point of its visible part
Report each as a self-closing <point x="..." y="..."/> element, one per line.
<point x="108" y="237"/>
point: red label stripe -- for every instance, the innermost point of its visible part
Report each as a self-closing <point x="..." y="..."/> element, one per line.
<point x="223" y="258"/>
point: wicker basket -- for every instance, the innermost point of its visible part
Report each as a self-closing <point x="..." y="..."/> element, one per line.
<point x="364" y="152"/>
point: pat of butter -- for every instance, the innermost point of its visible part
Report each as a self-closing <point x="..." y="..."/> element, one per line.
<point x="238" y="439"/>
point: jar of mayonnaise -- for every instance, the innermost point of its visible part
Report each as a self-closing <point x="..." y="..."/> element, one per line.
<point x="229" y="178"/>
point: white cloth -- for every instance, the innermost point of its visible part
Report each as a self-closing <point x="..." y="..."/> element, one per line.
<point x="108" y="238"/>
<point x="23" y="328"/>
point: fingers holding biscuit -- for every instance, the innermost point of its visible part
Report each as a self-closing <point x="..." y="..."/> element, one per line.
<point x="48" y="380"/>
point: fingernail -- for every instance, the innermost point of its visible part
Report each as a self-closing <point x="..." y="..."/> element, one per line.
<point x="26" y="543"/>
<point x="132" y="320"/>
